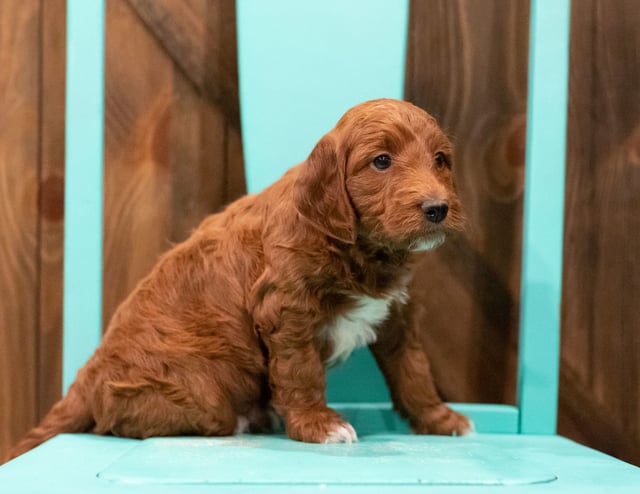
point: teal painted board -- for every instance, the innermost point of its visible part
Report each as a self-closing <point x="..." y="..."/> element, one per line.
<point x="490" y="418"/>
<point x="543" y="216"/>
<point x="357" y="379"/>
<point x="82" y="320"/>
<point x="303" y="64"/>
<point x="79" y="464"/>
<point x="379" y="417"/>
<point x="375" y="460"/>
<point x="358" y="391"/>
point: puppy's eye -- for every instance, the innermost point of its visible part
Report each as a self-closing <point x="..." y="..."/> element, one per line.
<point x="441" y="160"/>
<point x="382" y="162"/>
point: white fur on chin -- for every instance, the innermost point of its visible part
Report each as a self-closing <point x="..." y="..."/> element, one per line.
<point x="434" y="241"/>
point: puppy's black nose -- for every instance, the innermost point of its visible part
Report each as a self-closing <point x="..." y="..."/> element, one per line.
<point x="435" y="213"/>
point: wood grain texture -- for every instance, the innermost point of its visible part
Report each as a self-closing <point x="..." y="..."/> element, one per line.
<point x="172" y="156"/>
<point x="601" y="315"/>
<point x="199" y="36"/>
<point x="171" y="132"/>
<point x="19" y="163"/>
<point x="51" y="204"/>
<point x="137" y="187"/>
<point x="467" y="65"/>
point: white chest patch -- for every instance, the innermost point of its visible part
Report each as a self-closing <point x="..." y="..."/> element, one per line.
<point x="357" y="327"/>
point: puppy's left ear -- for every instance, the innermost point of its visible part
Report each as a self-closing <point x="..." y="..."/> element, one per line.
<point x="320" y="192"/>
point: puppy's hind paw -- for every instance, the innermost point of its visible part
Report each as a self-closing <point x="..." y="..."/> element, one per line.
<point x="242" y="425"/>
<point x="444" y="421"/>
<point x="468" y="430"/>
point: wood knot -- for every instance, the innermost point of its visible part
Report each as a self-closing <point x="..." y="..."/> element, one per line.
<point x="505" y="159"/>
<point x="633" y="154"/>
<point x="52" y="198"/>
<point x="149" y="145"/>
<point x="516" y="144"/>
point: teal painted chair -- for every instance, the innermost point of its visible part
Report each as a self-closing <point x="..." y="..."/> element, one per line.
<point x="293" y="91"/>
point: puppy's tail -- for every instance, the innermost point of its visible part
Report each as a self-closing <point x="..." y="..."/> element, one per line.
<point x="70" y="414"/>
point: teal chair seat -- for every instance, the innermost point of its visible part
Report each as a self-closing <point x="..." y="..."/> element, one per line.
<point x="302" y="64"/>
<point x="378" y="463"/>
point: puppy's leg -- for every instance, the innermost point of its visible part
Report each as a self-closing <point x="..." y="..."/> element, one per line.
<point x="297" y="381"/>
<point x="298" y="386"/>
<point x="406" y="369"/>
<point x="297" y="377"/>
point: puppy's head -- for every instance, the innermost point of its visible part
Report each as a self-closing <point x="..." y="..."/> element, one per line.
<point x="382" y="174"/>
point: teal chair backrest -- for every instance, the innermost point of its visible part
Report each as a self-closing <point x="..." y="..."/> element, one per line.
<point x="301" y="65"/>
<point x="82" y="311"/>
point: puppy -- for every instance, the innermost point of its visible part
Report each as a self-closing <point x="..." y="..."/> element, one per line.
<point x="250" y="310"/>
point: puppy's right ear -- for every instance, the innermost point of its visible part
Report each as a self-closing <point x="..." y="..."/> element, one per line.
<point x="320" y="192"/>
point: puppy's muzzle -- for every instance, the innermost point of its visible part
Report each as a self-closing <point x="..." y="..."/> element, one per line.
<point x="435" y="213"/>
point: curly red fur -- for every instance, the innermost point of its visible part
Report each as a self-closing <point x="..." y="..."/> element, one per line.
<point x="239" y="316"/>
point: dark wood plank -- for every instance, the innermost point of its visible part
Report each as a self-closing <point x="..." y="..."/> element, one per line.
<point x="579" y="246"/>
<point x="584" y="420"/>
<point x="616" y="371"/>
<point x="601" y="323"/>
<point x="51" y="201"/>
<point x="206" y="174"/>
<point x="200" y="38"/>
<point x="235" y="174"/>
<point x="467" y="65"/>
<point x="170" y="154"/>
<point x="197" y="154"/>
<point x="19" y="160"/>
<point x="137" y="188"/>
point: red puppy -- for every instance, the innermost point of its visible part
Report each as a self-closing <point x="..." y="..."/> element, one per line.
<point x="250" y="310"/>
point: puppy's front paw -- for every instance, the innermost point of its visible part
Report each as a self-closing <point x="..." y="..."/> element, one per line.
<point x="320" y="426"/>
<point x="344" y="433"/>
<point x="443" y="421"/>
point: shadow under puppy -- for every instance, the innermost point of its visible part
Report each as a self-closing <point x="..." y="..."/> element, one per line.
<point x="251" y="309"/>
